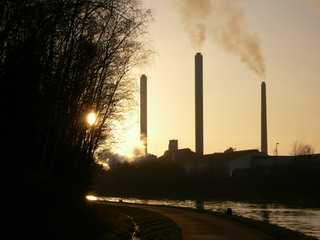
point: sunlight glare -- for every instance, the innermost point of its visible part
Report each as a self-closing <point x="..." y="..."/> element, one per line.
<point x="125" y="144"/>
<point x="128" y="132"/>
<point x="91" y="118"/>
<point x="131" y="149"/>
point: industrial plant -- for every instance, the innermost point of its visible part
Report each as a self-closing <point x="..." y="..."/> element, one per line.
<point x="227" y="163"/>
<point x="199" y="128"/>
<point x="186" y="174"/>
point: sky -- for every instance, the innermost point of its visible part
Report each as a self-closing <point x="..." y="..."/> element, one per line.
<point x="286" y="34"/>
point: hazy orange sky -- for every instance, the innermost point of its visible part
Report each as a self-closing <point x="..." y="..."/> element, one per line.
<point x="288" y="32"/>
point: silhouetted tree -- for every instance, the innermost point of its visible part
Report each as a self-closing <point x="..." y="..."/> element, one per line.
<point x="299" y="148"/>
<point x="59" y="60"/>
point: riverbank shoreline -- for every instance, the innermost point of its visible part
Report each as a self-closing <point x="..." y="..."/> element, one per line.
<point x="55" y="221"/>
<point x="290" y="202"/>
<point x="304" y="220"/>
<point x="274" y="231"/>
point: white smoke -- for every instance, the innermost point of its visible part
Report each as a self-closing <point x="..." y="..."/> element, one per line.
<point x="230" y="29"/>
<point x="225" y="22"/>
<point x="194" y="16"/>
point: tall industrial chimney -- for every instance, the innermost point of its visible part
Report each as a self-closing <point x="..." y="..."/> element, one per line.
<point x="143" y="110"/>
<point x="199" y="103"/>
<point x="264" y="138"/>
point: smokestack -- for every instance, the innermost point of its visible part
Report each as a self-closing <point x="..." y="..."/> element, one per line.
<point x="143" y="110"/>
<point x="173" y="145"/>
<point x="199" y="103"/>
<point x="264" y="139"/>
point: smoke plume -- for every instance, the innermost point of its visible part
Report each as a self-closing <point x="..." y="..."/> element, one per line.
<point x="231" y="31"/>
<point x="225" y="22"/>
<point x="194" y="16"/>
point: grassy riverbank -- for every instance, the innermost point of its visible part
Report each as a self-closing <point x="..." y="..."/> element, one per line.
<point x="152" y="225"/>
<point x="86" y="221"/>
<point x="95" y="221"/>
<point x="57" y="221"/>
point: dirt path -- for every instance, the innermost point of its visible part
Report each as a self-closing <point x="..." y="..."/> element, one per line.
<point x="203" y="226"/>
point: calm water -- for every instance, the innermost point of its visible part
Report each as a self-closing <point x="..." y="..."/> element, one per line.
<point x="306" y="220"/>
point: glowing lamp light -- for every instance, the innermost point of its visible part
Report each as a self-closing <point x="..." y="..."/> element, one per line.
<point x="91" y="118"/>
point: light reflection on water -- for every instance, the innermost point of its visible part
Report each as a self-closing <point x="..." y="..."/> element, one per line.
<point x="306" y="220"/>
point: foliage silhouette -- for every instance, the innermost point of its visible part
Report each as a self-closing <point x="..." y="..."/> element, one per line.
<point x="59" y="60"/>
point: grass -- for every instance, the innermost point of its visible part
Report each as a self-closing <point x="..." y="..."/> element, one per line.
<point x="87" y="221"/>
<point x="112" y="224"/>
<point x="152" y="225"/>
<point x="59" y="221"/>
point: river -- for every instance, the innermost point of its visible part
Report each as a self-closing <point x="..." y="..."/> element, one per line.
<point x="305" y="220"/>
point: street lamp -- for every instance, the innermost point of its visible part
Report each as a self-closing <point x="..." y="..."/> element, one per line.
<point x="277" y="149"/>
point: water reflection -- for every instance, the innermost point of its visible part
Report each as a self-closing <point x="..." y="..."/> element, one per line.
<point x="306" y="220"/>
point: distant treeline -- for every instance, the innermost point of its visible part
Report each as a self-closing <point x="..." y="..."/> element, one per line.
<point x="60" y="60"/>
<point x="163" y="178"/>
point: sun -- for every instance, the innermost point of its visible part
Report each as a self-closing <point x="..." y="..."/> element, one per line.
<point x="91" y="118"/>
